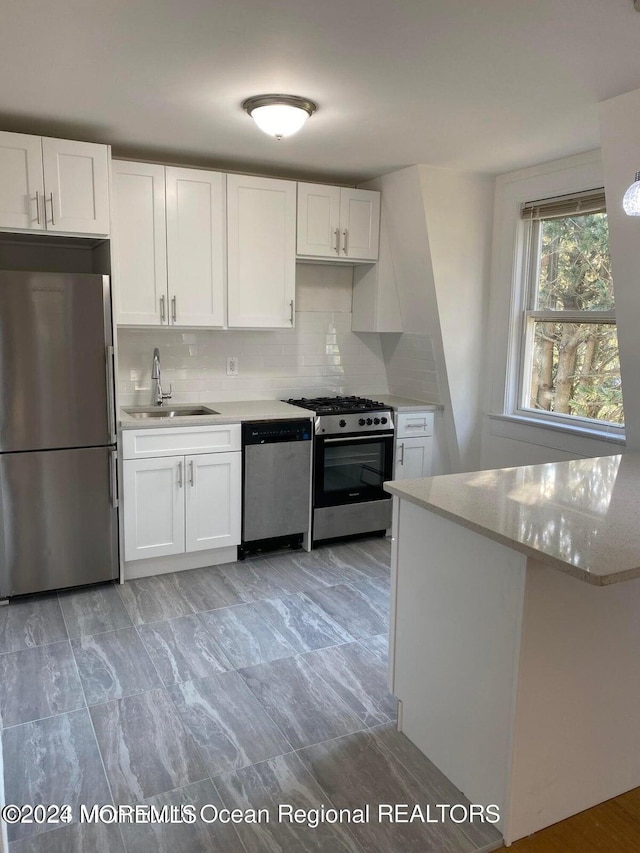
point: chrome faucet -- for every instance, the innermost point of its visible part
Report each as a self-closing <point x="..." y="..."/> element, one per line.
<point x="157" y="397"/>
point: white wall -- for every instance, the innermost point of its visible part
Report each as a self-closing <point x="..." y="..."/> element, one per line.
<point x="320" y="356"/>
<point x="439" y="225"/>
<point x="459" y="207"/>
<point x="620" y="135"/>
<point x="507" y="442"/>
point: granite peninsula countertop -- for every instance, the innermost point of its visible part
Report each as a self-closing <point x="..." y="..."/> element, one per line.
<point x="228" y="413"/>
<point x="581" y="516"/>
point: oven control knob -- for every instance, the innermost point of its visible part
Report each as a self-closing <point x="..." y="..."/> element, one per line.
<point x="369" y="421"/>
<point x="343" y="423"/>
<point x="383" y="420"/>
<point x="376" y="421"/>
<point x="362" y="422"/>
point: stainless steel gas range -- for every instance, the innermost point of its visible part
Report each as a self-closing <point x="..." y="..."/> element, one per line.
<point x="353" y="456"/>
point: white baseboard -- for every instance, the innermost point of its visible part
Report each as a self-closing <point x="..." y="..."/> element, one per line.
<point x="178" y="563"/>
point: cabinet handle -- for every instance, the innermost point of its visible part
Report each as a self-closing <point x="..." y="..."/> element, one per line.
<point x="401" y="460"/>
<point x="37" y="207"/>
<point x="337" y="246"/>
<point x="192" y="476"/>
<point x="291" y="307"/>
<point x="180" y="474"/>
<point x="162" y="310"/>
<point x="346" y="241"/>
<point x="173" y="308"/>
<point x="53" y="221"/>
<point x="351" y="438"/>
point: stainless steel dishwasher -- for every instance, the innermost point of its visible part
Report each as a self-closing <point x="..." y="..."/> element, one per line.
<point x="276" y="495"/>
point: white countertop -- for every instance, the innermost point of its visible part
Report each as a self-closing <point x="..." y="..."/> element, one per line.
<point x="405" y="404"/>
<point x="582" y="516"/>
<point x="228" y="412"/>
<point x="257" y="410"/>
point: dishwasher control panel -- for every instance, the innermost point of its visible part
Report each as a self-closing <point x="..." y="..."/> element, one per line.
<point x="270" y="432"/>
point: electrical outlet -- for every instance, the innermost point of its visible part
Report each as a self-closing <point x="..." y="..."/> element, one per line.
<point x="232" y="365"/>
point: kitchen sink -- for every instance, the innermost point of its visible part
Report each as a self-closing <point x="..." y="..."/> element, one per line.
<point x="173" y="412"/>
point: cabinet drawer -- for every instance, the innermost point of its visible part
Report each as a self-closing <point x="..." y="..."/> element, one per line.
<point x="414" y="424"/>
<point x="144" y="443"/>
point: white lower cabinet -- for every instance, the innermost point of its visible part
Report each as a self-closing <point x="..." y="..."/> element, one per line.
<point x="177" y="504"/>
<point x="414" y="445"/>
<point x="154" y="517"/>
<point x="413" y="458"/>
<point x="212" y="493"/>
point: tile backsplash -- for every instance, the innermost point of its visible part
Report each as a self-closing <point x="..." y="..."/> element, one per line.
<point x="410" y="365"/>
<point x="321" y="355"/>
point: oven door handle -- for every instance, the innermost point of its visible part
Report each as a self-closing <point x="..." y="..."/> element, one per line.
<point x="370" y="437"/>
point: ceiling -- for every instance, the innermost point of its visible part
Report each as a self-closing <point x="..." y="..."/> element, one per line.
<point x="489" y="86"/>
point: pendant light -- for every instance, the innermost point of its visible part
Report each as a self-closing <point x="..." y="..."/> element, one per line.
<point x="631" y="200"/>
<point x="279" y="115"/>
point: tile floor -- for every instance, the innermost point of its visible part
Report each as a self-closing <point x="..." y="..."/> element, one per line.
<point x="246" y="685"/>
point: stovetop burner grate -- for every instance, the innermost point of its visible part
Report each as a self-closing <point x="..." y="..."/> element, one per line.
<point x="337" y="405"/>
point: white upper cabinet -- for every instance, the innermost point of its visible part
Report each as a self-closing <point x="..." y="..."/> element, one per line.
<point x="76" y="185"/>
<point x="57" y="185"/>
<point x="319" y="220"/>
<point x="261" y="233"/>
<point x="139" y="244"/>
<point x="21" y="182"/>
<point x="376" y="302"/>
<point x="169" y="245"/>
<point x="195" y="246"/>
<point x="203" y="249"/>
<point x="338" y="222"/>
<point x="359" y="223"/>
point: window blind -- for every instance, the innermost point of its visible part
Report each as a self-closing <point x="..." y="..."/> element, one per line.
<point x="591" y="201"/>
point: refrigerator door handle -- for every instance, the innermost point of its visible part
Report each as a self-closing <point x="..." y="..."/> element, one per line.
<point x="113" y="478"/>
<point x="111" y="405"/>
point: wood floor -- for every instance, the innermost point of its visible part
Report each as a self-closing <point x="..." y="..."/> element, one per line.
<point x="611" y="827"/>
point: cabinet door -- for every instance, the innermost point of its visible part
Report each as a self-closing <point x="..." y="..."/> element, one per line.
<point x="213" y="482"/>
<point x="413" y="458"/>
<point x="195" y="246"/>
<point x="76" y="181"/>
<point x="318" y="220"/>
<point x="360" y="223"/>
<point x="376" y="303"/>
<point x="261" y="227"/>
<point x="153" y="502"/>
<point x="140" y="244"/>
<point x="21" y="184"/>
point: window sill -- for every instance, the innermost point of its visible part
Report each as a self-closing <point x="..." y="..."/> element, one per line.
<point x="549" y="433"/>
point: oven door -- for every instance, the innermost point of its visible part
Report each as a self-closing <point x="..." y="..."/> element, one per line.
<point x="352" y="469"/>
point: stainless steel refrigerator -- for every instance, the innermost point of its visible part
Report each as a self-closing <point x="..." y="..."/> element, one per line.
<point x="58" y="496"/>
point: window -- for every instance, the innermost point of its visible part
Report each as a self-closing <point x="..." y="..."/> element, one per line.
<point x="569" y="369"/>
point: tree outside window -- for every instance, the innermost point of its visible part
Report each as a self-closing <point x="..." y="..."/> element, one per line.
<point x="570" y="363"/>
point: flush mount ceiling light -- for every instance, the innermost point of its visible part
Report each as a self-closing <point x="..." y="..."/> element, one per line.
<point x="279" y="115"/>
<point x="631" y="200"/>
